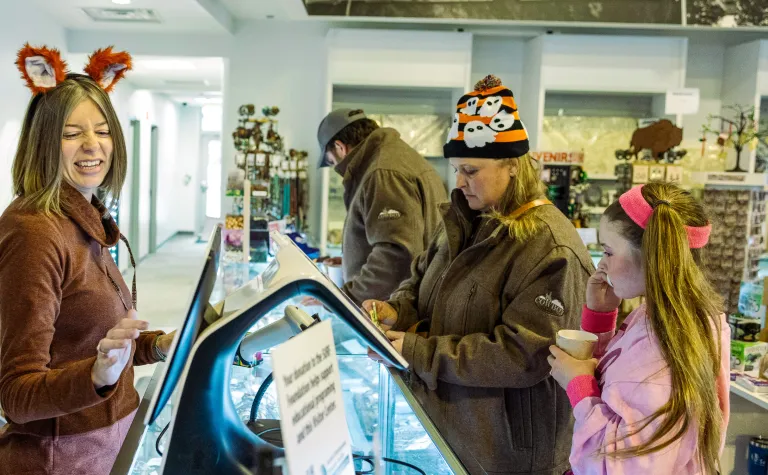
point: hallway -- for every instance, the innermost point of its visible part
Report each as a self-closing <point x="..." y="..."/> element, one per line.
<point x="164" y="285"/>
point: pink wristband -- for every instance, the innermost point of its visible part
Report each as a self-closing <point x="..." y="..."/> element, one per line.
<point x="581" y="387"/>
<point x="598" y="322"/>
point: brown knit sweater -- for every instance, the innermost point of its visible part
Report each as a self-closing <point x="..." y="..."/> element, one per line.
<point x="56" y="302"/>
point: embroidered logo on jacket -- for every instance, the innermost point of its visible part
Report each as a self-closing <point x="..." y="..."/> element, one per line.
<point x="389" y="214"/>
<point x="548" y="304"/>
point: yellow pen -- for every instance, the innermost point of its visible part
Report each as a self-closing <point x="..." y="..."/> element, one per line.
<point x="375" y="315"/>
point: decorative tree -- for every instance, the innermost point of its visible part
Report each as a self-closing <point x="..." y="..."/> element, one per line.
<point x="752" y="13"/>
<point x="704" y="12"/>
<point x="742" y="131"/>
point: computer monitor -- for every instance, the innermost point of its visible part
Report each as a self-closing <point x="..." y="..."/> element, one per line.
<point x="193" y="325"/>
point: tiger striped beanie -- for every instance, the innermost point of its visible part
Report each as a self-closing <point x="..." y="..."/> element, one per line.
<point x="486" y="124"/>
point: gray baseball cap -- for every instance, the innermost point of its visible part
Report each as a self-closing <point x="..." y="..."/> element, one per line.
<point x="332" y="125"/>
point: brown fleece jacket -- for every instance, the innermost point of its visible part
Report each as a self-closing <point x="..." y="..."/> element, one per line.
<point x="60" y="292"/>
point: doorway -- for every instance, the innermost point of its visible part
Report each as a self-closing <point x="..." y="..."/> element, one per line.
<point x="208" y="203"/>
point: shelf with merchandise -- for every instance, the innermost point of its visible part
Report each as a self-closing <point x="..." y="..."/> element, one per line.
<point x="270" y="182"/>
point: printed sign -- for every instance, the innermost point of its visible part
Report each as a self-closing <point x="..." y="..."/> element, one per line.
<point x="682" y="101"/>
<point x="640" y="174"/>
<point x="559" y="157"/>
<point x="313" y="424"/>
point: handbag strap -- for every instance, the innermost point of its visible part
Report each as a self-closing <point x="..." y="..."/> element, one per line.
<point x="529" y="206"/>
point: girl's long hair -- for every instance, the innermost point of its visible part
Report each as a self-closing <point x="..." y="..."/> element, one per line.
<point x="684" y="314"/>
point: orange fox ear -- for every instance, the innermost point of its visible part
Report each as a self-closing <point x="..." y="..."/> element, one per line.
<point x="107" y="68"/>
<point x="42" y="68"/>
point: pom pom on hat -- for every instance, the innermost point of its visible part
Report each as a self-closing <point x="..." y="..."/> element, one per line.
<point x="488" y="82"/>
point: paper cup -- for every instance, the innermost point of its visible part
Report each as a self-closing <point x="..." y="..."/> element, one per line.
<point x="336" y="274"/>
<point x="577" y="343"/>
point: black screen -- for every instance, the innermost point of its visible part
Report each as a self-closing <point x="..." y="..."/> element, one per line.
<point x="186" y="335"/>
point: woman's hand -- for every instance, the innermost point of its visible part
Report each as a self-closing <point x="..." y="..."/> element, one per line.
<point x="114" y="351"/>
<point x="565" y="367"/>
<point x="396" y="338"/>
<point x="311" y="302"/>
<point x="164" y="342"/>
<point x="600" y="295"/>
<point x="386" y="313"/>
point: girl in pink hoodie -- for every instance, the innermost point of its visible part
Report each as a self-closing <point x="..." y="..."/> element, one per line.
<point x="655" y="401"/>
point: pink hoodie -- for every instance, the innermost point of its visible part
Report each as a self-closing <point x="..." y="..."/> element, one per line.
<point x="632" y="382"/>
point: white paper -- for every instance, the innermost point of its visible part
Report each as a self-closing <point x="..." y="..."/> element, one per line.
<point x="682" y="101"/>
<point x="588" y="235"/>
<point x="313" y="424"/>
<point x="640" y="173"/>
<point x="657" y="173"/>
<point x="674" y="174"/>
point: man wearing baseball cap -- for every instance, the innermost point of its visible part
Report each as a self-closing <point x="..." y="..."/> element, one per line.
<point x="391" y="194"/>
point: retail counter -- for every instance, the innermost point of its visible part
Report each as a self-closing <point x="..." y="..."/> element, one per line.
<point x="382" y="415"/>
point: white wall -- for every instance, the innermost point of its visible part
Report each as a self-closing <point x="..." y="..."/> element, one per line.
<point x="531" y="103"/>
<point x="706" y="62"/>
<point x="502" y="56"/>
<point x="24" y="22"/>
<point x="399" y="58"/>
<point x="631" y="64"/>
<point x="740" y="87"/>
<point x="762" y="71"/>
<point x="170" y="170"/>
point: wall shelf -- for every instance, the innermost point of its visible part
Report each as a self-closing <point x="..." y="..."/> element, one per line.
<point x="759" y="399"/>
<point x="601" y="177"/>
<point x="730" y="179"/>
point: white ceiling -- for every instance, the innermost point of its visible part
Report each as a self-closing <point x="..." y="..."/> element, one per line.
<point x="261" y="9"/>
<point x="175" y="15"/>
<point x="199" y="16"/>
<point x="183" y="79"/>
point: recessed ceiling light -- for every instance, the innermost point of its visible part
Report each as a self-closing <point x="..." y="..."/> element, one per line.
<point x="121" y="2"/>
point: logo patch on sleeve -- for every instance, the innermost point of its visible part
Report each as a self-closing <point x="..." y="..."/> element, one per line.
<point x="389" y="214"/>
<point x="550" y="305"/>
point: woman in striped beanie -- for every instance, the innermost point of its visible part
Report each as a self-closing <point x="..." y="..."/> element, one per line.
<point x="506" y="272"/>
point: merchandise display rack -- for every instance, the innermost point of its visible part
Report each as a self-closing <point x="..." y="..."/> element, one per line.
<point x="737" y="240"/>
<point x="737" y="203"/>
<point x="268" y="185"/>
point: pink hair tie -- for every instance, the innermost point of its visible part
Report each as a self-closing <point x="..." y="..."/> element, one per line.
<point x="633" y="203"/>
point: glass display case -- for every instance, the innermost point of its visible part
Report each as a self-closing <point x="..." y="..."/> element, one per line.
<point x="382" y="416"/>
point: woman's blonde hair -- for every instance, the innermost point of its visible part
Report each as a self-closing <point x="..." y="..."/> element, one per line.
<point x="684" y="312"/>
<point x="37" y="167"/>
<point x="524" y="187"/>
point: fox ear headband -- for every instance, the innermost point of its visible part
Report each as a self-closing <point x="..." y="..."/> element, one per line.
<point x="43" y="69"/>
